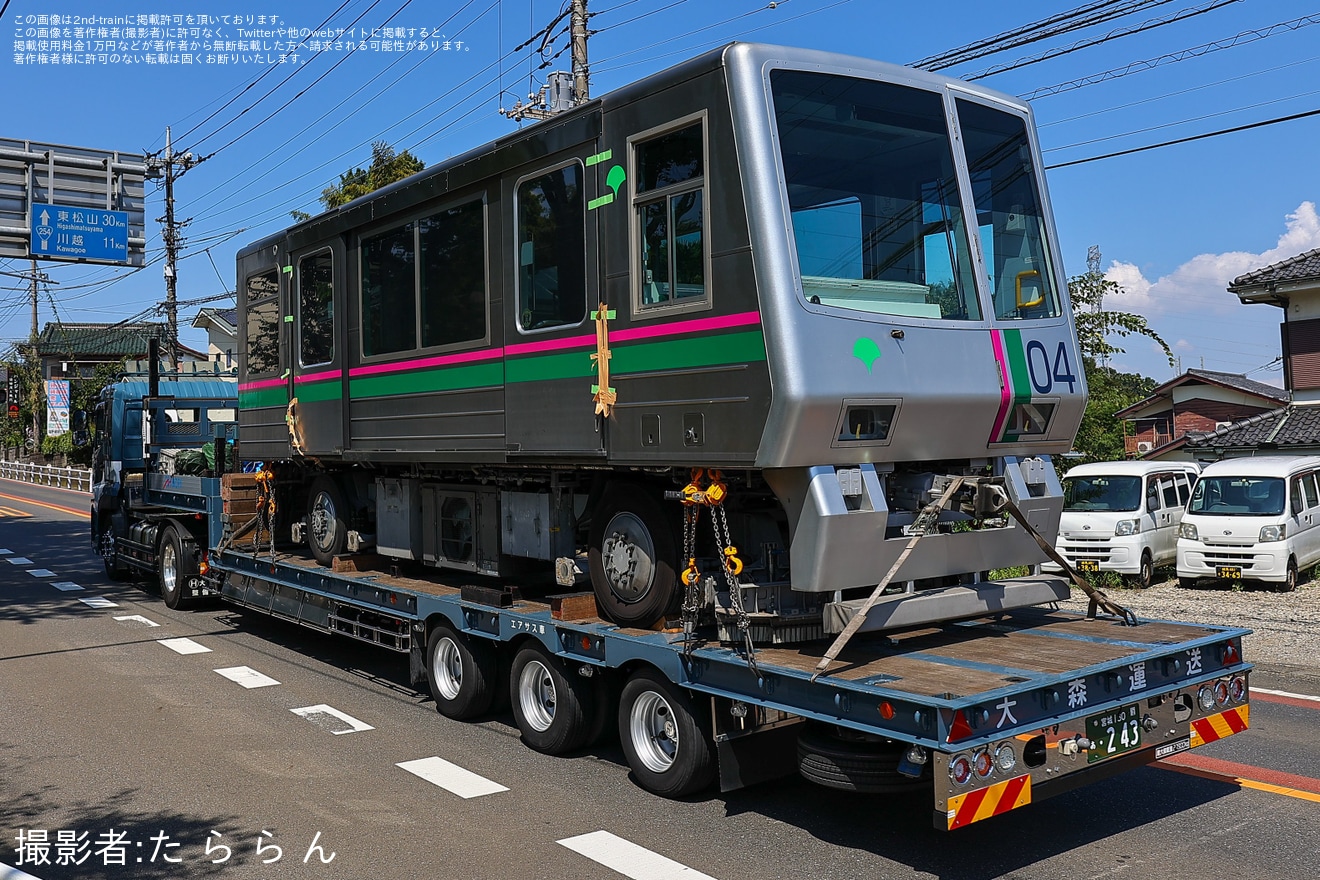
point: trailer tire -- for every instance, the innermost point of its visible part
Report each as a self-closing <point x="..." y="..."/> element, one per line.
<point x="631" y="556"/>
<point x="551" y="706"/>
<point x="663" y="737"/>
<point x="462" y="673"/>
<point x="173" y="566"/>
<point x="845" y="765"/>
<point x="327" y="519"/>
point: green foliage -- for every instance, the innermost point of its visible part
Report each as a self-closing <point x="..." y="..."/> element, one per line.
<point x="1100" y="437"/>
<point x="56" y="445"/>
<point x="386" y="167"/>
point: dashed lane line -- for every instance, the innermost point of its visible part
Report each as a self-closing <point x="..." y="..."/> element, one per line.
<point x="451" y="777"/>
<point x="629" y="859"/>
<point x="247" y="677"/>
<point x="332" y="719"/>
<point x="98" y="602"/>
<point x="19" y="560"/>
<point x="184" y="646"/>
<point x="41" y="572"/>
<point x="66" y="586"/>
<point x="7" y="872"/>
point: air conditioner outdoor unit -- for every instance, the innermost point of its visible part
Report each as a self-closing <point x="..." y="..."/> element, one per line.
<point x="1144" y="446"/>
<point x="1219" y="425"/>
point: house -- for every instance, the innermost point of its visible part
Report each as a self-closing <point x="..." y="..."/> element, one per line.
<point x="75" y="350"/>
<point x="1195" y="402"/>
<point x="1292" y="285"/>
<point x="221" y="326"/>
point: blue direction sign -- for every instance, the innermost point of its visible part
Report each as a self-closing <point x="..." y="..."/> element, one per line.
<point x="63" y="233"/>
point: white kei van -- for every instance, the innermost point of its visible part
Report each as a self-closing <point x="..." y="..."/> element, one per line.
<point x="1252" y="518"/>
<point x="1123" y="516"/>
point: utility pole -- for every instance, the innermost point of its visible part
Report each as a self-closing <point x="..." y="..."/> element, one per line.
<point x="562" y="91"/>
<point x="171" y="166"/>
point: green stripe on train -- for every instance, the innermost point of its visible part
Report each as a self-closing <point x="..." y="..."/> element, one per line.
<point x="422" y="381"/>
<point x="644" y="357"/>
<point x="263" y="397"/>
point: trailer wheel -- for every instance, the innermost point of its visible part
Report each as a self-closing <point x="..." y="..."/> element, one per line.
<point x="462" y="673"/>
<point x="552" y="708"/>
<point x="631" y="556"/>
<point x="174" y="567"/>
<point x="860" y="766"/>
<point x="663" y="737"/>
<point x="327" y="519"/>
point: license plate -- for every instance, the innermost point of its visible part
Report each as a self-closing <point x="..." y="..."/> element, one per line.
<point x="1229" y="572"/>
<point x="1088" y="565"/>
<point x="1113" y="733"/>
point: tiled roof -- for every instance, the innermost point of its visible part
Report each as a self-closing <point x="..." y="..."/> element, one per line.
<point x="1236" y="381"/>
<point x="1290" y="426"/>
<point x="1303" y="267"/>
<point x="97" y="340"/>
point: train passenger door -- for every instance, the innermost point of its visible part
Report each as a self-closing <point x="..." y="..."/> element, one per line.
<point x="316" y="365"/>
<point x="549" y="335"/>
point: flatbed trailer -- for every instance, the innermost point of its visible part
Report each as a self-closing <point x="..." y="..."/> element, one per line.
<point x="991" y="714"/>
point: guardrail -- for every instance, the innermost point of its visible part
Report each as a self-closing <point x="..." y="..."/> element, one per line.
<point x="47" y="475"/>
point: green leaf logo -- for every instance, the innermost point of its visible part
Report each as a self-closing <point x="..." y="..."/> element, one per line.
<point x="615" y="178"/>
<point x="866" y="351"/>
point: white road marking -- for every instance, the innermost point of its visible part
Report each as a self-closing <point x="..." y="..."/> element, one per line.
<point x="628" y="858"/>
<point x="5" y="552"/>
<point x="135" y="618"/>
<point x="184" y="646"/>
<point x="41" y="572"/>
<point x="451" y="777"/>
<point x="19" y="560"/>
<point x="324" y="716"/>
<point x="97" y="602"/>
<point x="247" y="677"/>
<point x="66" y="586"/>
<point x="1286" y="694"/>
<point x="9" y="873"/>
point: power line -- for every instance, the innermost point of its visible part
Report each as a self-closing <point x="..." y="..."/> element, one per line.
<point x="1115" y="34"/>
<point x="1189" y="139"/>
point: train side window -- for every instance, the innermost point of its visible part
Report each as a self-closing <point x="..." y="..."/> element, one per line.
<point x="453" y="275"/>
<point x="669" y="205"/>
<point x="316" y="310"/>
<point x="263" y="324"/>
<point x="552" y="257"/>
<point x="389" y="292"/>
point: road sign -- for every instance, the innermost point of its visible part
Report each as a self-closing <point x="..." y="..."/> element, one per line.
<point x="64" y="233"/>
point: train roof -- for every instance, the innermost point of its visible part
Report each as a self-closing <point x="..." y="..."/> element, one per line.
<point x="737" y="54"/>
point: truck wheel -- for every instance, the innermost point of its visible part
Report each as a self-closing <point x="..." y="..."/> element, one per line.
<point x="327" y="519"/>
<point x="553" y="709"/>
<point x="663" y="737"/>
<point x="631" y="556"/>
<point x="462" y="674"/>
<point x="174" y="568"/>
<point x="1290" y="577"/>
<point x="114" y="569"/>
<point x="848" y="765"/>
<point x="1146" y="575"/>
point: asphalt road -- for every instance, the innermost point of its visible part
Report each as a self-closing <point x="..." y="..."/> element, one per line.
<point x="108" y="733"/>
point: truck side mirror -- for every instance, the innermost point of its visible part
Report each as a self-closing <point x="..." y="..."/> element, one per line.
<point x="78" y="427"/>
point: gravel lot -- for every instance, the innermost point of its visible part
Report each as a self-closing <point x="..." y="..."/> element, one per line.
<point x="1285" y="627"/>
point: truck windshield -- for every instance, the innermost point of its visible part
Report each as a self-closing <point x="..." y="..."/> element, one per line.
<point x="1229" y="496"/>
<point x="1101" y="492"/>
<point x="873" y="194"/>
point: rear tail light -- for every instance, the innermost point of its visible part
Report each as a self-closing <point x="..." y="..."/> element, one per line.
<point x="1206" y="698"/>
<point x="1221" y="692"/>
<point x="960" y="770"/>
<point x="983" y="763"/>
<point x="1237" y="689"/>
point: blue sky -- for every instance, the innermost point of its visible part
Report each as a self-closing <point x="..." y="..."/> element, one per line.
<point x="1174" y="224"/>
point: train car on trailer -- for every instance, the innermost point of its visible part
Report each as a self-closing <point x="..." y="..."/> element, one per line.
<point x="830" y="285"/>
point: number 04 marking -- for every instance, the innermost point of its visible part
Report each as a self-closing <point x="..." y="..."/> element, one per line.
<point x="1043" y="379"/>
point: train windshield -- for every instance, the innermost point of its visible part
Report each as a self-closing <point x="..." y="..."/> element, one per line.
<point x="873" y="192"/>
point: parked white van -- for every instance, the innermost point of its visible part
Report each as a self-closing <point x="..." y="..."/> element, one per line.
<point x="1256" y="518"/>
<point x="1123" y="516"/>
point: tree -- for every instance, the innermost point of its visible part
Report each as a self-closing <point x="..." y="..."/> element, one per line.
<point x="386" y="167"/>
<point x="1100" y="437"/>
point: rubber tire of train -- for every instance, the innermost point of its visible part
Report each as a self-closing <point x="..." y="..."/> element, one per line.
<point x="325" y="485"/>
<point x="173" y="566"/>
<point x="852" y="766"/>
<point x="672" y="758"/>
<point x="472" y="674"/>
<point x="662" y="595"/>
<point x="551" y="705"/>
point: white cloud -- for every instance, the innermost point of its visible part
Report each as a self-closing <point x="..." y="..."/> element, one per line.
<point x="1201" y="282"/>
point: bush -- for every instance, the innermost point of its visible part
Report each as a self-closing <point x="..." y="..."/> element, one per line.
<point x="57" y="445"/>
